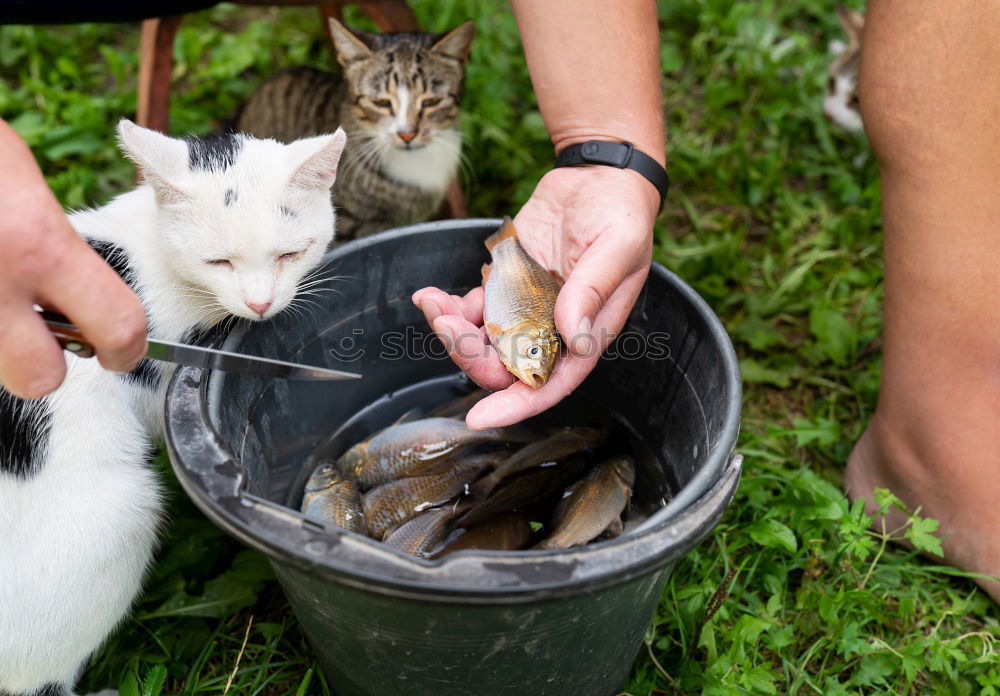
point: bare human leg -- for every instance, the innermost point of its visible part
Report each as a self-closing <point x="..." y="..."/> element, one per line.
<point x="930" y="99"/>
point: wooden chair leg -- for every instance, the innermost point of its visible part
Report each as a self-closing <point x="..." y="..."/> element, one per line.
<point x="390" y="15"/>
<point x="326" y="11"/>
<point x="156" y="61"/>
<point x="454" y="202"/>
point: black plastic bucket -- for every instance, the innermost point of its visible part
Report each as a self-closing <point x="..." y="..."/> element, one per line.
<point x="532" y="623"/>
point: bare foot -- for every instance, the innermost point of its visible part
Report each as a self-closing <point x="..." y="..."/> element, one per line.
<point x="964" y="499"/>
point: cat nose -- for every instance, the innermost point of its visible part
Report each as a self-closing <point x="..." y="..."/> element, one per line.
<point x="259" y="307"/>
<point x="407" y="136"/>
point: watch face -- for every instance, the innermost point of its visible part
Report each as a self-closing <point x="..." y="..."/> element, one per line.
<point x="611" y="154"/>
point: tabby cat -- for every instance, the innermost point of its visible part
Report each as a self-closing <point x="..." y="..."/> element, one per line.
<point x="841" y="104"/>
<point x="398" y="100"/>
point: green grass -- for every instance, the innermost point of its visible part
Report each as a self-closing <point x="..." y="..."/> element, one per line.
<point x="770" y="219"/>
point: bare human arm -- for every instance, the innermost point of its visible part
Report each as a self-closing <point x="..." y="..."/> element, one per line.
<point x="595" y="68"/>
<point x="45" y="262"/>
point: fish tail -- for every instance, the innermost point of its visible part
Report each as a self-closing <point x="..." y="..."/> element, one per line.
<point x="506" y="231"/>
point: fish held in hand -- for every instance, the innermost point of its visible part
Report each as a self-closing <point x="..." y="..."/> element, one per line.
<point x="332" y="498"/>
<point x="519" y="308"/>
<point x="595" y="503"/>
<point x="393" y="503"/>
<point x="416" y="448"/>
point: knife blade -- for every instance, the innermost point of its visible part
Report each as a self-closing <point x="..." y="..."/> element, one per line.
<point x="71" y="339"/>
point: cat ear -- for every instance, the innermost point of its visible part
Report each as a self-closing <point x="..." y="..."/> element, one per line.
<point x="161" y="160"/>
<point x="457" y="42"/>
<point x="350" y="45"/>
<point x="852" y="22"/>
<point x="317" y="160"/>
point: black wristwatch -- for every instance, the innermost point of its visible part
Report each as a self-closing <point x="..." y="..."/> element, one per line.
<point x="621" y="155"/>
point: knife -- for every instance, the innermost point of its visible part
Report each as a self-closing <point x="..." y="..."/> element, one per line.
<point x="71" y="339"/>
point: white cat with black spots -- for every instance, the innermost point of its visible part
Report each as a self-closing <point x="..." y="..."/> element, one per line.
<point x="223" y="226"/>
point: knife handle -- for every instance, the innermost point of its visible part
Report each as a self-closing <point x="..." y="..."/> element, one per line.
<point x="68" y="336"/>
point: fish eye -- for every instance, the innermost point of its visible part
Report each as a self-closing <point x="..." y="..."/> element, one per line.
<point x="534" y="352"/>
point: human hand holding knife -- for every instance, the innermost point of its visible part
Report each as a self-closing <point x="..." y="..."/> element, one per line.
<point x="71" y="339"/>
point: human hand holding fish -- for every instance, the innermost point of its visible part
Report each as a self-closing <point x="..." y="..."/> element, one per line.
<point x="591" y="226"/>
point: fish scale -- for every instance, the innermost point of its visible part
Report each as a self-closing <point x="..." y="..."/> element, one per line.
<point x="596" y="501"/>
<point x="420" y="535"/>
<point x="393" y="503"/>
<point x="554" y="448"/>
<point x="518" y="289"/>
<point x="519" y="308"/>
<point x="416" y="448"/>
<point x="337" y="502"/>
<point x="506" y="532"/>
<point x="521" y="491"/>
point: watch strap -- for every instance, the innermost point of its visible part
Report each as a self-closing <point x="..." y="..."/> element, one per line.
<point x="620" y="155"/>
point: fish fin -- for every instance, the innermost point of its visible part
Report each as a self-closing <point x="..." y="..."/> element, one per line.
<point x="492" y="330"/>
<point x="413" y="414"/>
<point x="459" y="407"/>
<point x="389" y="531"/>
<point x="613" y="530"/>
<point x="506" y="231"/>
<point x="555" y="274"/>
<point x="485" y="270"/>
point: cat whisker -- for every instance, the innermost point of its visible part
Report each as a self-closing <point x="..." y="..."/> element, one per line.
<point x="317" y="291"/>
<point x="304" y="310"/>
<point x="308" y="283"/>
<point x="307" y="302"/>
<point x="466" y="170"/>
<point x="322" y="275"/>
<point x="371" y="149"/>
<point x="315" y="287"/>
<point x="366" y="146"/>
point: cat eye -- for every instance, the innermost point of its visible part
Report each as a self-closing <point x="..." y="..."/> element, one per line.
<point x="382" y="103"/>
<point x="434" y="101"/>
<point x="220" y="262"/>
<point x="290" y="256"/>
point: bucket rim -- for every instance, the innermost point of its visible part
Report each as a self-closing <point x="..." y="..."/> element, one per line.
<point x="213" y="477"/>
